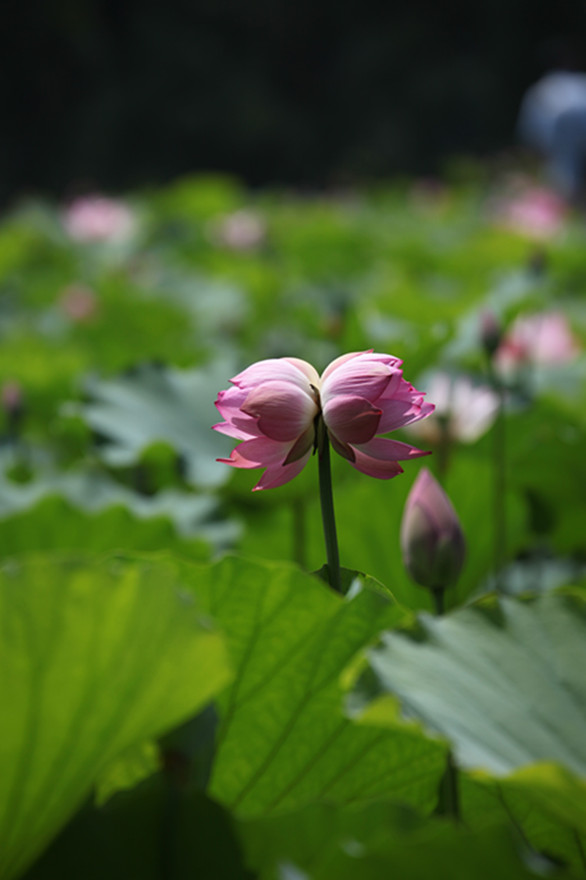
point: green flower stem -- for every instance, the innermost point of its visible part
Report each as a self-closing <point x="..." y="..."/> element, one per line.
<point x="449" y="794"/>
<point x="327" y="506"/>
<point x="499" y="478"/>
<point x="438" y="594"/>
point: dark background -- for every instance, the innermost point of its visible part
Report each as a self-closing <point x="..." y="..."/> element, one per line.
<point x="119" y="94"/>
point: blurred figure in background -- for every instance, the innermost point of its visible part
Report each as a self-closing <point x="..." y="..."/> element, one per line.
<point x="552" y="121"/>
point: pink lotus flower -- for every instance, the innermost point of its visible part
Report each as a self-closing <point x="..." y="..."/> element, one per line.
<point x="464" y="410"/>
<point x="276" y="405"/>
<point x="543" y="338"/>
<point x="243" y="230"/>
<point x="98" y="218"/>
<point x="538" y="213"/>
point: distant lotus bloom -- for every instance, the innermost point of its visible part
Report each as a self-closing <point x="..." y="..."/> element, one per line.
<point x="432" y="542"/>
<point x="11" y="396"/>
<point x="543" y="338"/>
<point x="242" y="230"/>
<point x="79" y="303"/>
<point x="98" y="218"/>
<point x="464" y="410"/>
<point x="537" y="213"/>
<point x="276" y="406"/>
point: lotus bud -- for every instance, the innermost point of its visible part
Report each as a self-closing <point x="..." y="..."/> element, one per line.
<point x="490" y="333"/>
<point x="432" y="542"/>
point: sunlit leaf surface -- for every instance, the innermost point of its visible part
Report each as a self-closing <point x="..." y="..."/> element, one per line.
<point x="94" y="657"/>
<point x="283" y="739"/>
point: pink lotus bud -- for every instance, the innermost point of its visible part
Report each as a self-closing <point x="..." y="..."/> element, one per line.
<point x="276" y="405"/>
<point x="432" y="542"/>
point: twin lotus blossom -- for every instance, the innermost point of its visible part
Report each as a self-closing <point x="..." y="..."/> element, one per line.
<point x="278" y="407"/>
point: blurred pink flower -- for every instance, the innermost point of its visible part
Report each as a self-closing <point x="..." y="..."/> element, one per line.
<point x="276" y="404"/>
<point x="98" y="218"/>
<point x="79" y="303"/>
<point x="432" y="542"/>
<point x="541" y="338"/>
<point x="243" y="230"/>
<point x="464" y="410"/>
<point x="11" y="396"/>
<point x="536" y="212"/>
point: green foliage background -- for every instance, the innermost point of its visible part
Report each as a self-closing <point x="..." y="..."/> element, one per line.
<point x="181" y="696"/>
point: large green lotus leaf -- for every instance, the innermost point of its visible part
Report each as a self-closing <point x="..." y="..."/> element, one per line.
<point x="503" y="681"/>
<point x="283" y="739"/>
<point x="158" y="404"/>
<point x="127" y="770"/>
<point x="94" y="657"/>
<point x="378" y="840"/>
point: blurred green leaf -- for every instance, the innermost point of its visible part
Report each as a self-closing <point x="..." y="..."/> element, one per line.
<point x="51" y="511"/>
<point x="94" y="657"/>
<point x="378" y="840"/>
<point x="545" y="447"/>
<point x="157" y="404"/>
